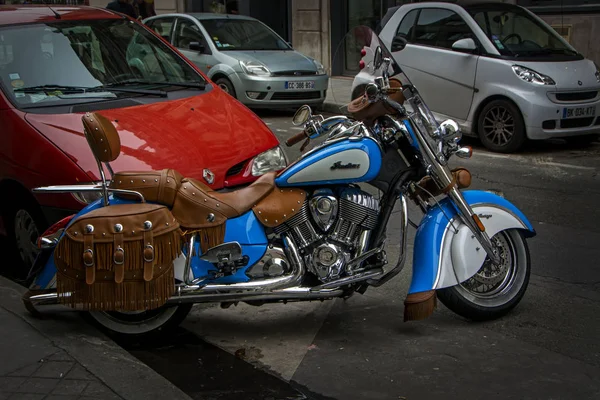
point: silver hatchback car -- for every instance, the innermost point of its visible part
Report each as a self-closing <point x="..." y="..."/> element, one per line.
<point x="245" y="58"/>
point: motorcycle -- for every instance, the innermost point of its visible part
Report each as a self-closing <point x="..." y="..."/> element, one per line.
<point x="156" y="243"/>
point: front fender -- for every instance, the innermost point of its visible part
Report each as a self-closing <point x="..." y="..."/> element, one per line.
<point x="445" y="253"/>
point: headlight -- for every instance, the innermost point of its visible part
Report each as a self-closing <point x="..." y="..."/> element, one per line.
<point x="254" y="68"/>
<point x="597" y="73"/>
<point x="270" y="160"/>
<point x="532" y="76"/>
<point x="87" y="197"/>
<point x="320" y="68"/>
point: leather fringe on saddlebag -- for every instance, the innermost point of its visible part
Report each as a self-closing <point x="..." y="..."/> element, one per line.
<point x="118" y="257"/>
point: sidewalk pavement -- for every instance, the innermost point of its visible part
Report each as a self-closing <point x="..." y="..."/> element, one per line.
<point x="338" y="95"/>
<point x="61" y="357"/>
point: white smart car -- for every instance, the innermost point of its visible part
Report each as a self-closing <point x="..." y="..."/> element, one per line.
<point x="497" y="69"/>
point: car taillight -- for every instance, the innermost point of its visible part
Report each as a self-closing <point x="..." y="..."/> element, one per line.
<point x="52" y="234"/>
<point x="361" y="64"/>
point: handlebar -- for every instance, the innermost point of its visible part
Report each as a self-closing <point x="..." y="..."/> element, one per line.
<point x="296" y="139"/>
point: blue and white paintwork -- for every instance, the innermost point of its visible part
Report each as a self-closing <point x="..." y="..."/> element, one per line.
<point x="246" y="230"/>
<point x="316" y="168"/>
<point x="444" y="257"/>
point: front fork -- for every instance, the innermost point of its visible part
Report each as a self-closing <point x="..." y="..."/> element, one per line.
<point x="444" y="177"/>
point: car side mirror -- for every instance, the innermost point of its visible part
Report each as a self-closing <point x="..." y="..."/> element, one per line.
<point x="464" y="45"/>
<point x="196" y="46"/>
<point x="398" y="44"/>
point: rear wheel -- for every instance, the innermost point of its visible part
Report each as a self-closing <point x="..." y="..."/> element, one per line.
<point x="24" y="224"/>
<point x="139" y="324"/>
<point x="501" y="127"/>
<point x="495" y="289"/>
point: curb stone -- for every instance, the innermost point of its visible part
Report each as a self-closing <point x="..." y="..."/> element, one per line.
<point x="126" y="376"/>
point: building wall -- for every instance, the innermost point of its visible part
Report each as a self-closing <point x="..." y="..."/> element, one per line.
<point x="310" y="29"/>
<point x="161" y="6"/>
<point x="584" y="32"/>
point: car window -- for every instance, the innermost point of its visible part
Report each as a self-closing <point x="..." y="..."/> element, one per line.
<point x="84" y="54"/>
<point x="405" y="29"/>
<point x="514" y="32"/>
<point x="242" y="34"/>
<point x="162" y="26"/>
<point x="440" y="28"/>
<point x="185" y="33"/>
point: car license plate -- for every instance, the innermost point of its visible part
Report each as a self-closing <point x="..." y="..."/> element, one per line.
<point x="300" y="85"/>
<point x="578" y="112"/>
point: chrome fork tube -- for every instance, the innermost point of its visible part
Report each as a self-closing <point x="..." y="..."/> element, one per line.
<point x="471" y="219"/>
<point x="442" y="175"/>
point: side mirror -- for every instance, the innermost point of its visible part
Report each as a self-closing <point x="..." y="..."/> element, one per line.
<point x="196" y="46"/>
<point x="378" y="58"/>
<point x="372" y="90"/>
<point x="450" y="129"/>
<point x="464" y="45"/>
<point x="398" y="43"/>
<point x="302" y="115"/>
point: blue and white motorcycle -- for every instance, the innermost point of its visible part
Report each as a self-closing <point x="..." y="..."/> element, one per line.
<point x="314" y="231"/>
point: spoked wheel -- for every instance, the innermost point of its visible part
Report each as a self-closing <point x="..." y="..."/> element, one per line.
<point x="26" y="235"/>
<point x="495" y="289"/>
<point x="24" y="223"/>
<point x="138" y="324"/>
<point x="501" y="127"/>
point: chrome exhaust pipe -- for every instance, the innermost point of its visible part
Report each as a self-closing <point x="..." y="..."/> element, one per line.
<point x="288" y="294"/>
<point x="49" y="301"/>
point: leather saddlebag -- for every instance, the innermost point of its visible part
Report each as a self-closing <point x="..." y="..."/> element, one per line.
<point x="118" y="258"/>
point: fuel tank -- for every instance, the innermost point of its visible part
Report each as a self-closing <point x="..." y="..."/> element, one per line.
<point x="347" y="161"/>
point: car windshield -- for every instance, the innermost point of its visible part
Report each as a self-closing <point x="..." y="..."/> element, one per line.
<point x="242" y="34"/>
<point x="514" y="32"/>
<point x="56" y="63"/>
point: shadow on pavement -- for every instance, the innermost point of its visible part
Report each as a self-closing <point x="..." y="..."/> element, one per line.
<point x="204" y="371"/>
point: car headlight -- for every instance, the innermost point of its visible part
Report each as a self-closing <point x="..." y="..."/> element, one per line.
<point x="87" y="197"/>
<point x="532" y="76"/>
<point x="270" y="160"/>
<point x="254" y="68"/>
<point x="320" y="68"/>
<point x="597" y="73"/>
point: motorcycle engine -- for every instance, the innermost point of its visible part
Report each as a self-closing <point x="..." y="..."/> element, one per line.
<point x="332" y="228"/>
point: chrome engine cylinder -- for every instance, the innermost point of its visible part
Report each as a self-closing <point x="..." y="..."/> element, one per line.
<point x="332" y="228"/>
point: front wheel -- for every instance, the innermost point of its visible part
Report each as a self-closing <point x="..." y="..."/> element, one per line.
<point x="495" y="289"/>
<point x="142" y="324"/>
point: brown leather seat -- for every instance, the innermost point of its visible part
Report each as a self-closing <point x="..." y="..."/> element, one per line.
<point x="198" y="206"/>
<point x="156" y="186"/>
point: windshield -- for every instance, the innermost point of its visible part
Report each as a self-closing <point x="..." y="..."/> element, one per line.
<point x="514" y="32"/>
<point x="242" y="34"/>
<point x="85" y="54"/>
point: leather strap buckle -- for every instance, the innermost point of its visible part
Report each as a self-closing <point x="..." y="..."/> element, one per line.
<point x="119" y="256"/>
<point x="149" y="253"/>
<point x="88" y="258"/>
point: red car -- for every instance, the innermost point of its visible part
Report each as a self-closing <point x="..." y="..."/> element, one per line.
<point x="58" y="63"/>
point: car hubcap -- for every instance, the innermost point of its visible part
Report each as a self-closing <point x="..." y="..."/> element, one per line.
<point x="224" y="87"/>
<point x="494" y="280"/>
<point x="26" y="235"/>
<point x="499" y="126"/>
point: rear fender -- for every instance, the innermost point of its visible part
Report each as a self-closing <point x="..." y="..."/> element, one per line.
<point x="445" y="251"/>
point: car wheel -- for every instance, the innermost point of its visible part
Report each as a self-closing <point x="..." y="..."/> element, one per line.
<point x="500" y="127"/>
<point x="24" y="224"/>
<point x="226" y="85"/>
<point x="358" y="91"/>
